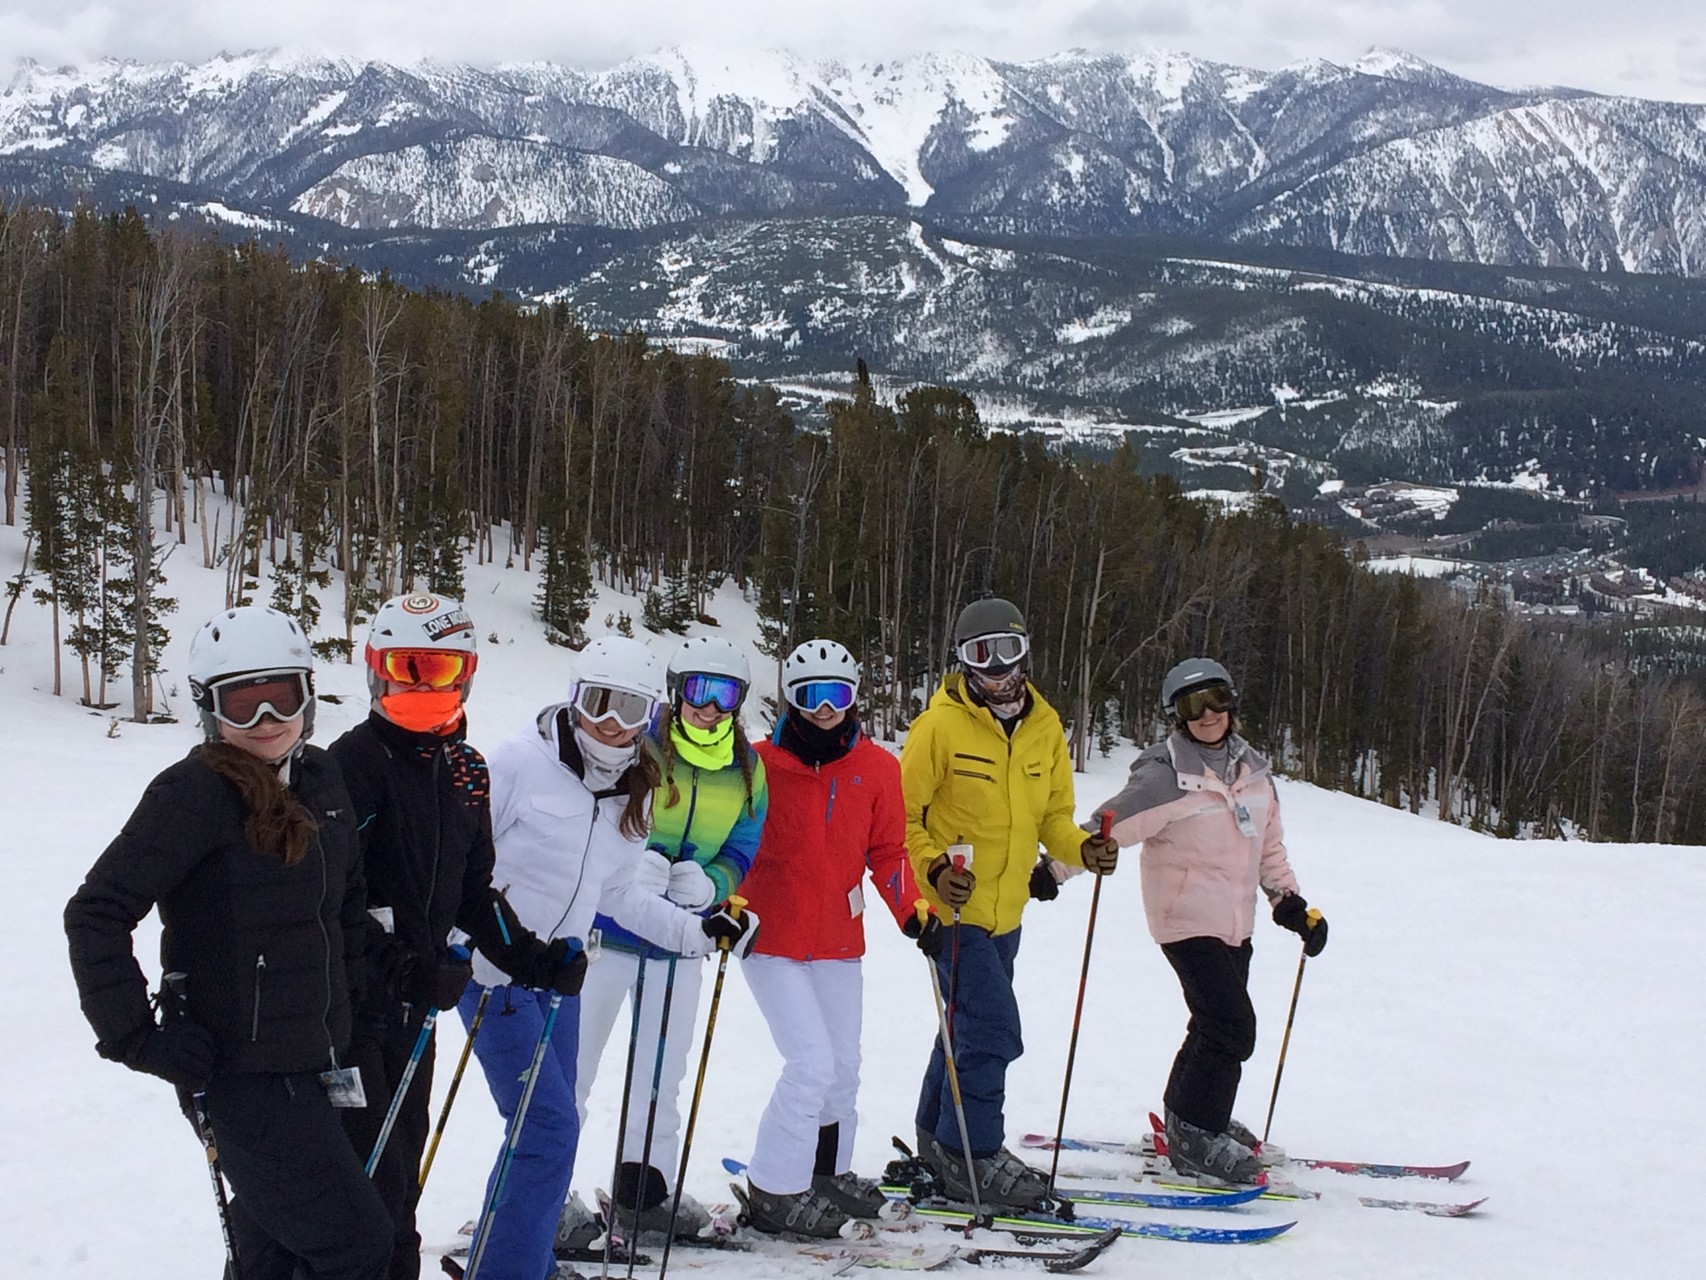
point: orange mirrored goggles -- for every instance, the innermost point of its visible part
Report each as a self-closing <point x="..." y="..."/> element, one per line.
<point x="435" y="668"/>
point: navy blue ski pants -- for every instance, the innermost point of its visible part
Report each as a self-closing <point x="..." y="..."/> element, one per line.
<point x="525" y="1221"/>
<point x="986" y="1034"/>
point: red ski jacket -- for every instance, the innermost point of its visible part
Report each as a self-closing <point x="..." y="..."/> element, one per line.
<point x="828" y="826"/>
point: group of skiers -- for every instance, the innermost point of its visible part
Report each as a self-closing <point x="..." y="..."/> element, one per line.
<point x="320" y="909"/>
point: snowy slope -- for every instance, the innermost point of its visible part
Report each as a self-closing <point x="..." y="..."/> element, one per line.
<point x="1509" y="1003"/>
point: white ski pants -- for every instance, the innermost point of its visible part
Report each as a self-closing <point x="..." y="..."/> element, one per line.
<point x="814" y="1008"/>
<point x="609" y="984"/>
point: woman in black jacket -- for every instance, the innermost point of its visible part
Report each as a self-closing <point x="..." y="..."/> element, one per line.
<point x="248" y="849"/>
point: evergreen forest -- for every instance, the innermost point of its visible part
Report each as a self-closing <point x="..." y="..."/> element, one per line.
<point x="359" y="428"/>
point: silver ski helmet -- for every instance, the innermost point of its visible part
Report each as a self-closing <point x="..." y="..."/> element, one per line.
<point x="243" y="641"/>
<point x="1190" y="675"/>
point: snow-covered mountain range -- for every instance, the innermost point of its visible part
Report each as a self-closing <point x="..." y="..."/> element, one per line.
<point x="1387" y="157"/>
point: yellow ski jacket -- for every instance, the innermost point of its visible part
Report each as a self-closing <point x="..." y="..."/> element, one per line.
<point x="966" y="782"/>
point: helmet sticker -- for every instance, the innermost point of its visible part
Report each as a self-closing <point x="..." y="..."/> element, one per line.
<point x="449" y="623"/>
<point x="419" y="603"/>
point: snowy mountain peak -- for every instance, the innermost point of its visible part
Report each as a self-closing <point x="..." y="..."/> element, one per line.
<point x="1396" y="64"/>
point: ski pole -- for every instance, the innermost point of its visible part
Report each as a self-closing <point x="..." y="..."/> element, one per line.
<point x="923" y="910"/>
<point x="1106" y="833"/>
<point x="736" y="904"/>
<point x="513" y="1138"/>
<point x="652" y="1105"/>
<point x="959" y="857"/>
<point x="1285" y="1042"/>
<point x="455" y="1084"/>
<point x="402" y="1089"/>
<point x="622" y="1118"/>
<point x="176" y="1004"/>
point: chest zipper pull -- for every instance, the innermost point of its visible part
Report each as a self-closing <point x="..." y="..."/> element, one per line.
<point x="255" y="1017"/>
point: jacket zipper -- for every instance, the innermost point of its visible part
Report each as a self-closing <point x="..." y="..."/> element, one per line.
<point x="255" y="1016"/>
<point x="326" y="950"/>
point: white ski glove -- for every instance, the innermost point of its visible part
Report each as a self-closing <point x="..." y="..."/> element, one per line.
<point x="689" y="886"/>
<point x="651" y="872"/>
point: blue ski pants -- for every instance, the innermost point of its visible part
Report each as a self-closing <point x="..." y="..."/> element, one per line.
<point x="525" y="1219"/>
<point x="985" y="1030"/>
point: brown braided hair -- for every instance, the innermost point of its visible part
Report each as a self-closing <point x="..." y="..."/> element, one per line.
<point x="277" y="824"/>
<point x="743" y="753"/>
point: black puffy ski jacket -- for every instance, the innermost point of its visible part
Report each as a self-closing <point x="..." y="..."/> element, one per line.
<point x="424" y="815"/>
<point x="271" y="952"/>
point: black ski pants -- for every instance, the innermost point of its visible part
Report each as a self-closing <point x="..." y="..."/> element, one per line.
<point x="1221" y="1034"/>
<point x="397" y="1176"/>
<point x="301" y="1204"/>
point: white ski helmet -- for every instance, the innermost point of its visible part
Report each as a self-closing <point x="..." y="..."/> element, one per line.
<point x="248" y="638"/>
<point x="711" y="656"/>
<point x="820" y="660"/>
<point x="618" y="662"/>
<point x="419" y="620"/>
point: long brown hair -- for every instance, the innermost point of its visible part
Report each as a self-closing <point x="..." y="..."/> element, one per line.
<point x="743" y="754"/>
<point x="643" y="777"/>
<point x="277" y="824"/>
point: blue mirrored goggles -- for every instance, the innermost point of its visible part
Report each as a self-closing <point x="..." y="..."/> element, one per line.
<point x="701" y="690"/>
<point x="811" y="695"/>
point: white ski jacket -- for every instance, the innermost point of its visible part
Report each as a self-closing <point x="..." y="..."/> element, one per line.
<point x="562" y="857"/>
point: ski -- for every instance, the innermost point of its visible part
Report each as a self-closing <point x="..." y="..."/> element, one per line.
<point x="1368" y="1169"/>
<point x="948" y="1212"/>
<point x="1141" y="1199"/>
<point x="1433" y="1208"/>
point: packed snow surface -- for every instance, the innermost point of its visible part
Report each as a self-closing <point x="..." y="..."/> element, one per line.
<point x="1533" y="1007"/>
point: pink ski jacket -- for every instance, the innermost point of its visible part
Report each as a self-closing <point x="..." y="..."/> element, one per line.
<point x="1207" y="846"/>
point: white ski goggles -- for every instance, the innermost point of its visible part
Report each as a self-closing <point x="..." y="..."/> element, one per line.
<point x="599" y="702"/>
<point x="1003" y="649"/>
<point x="242" y="700"/>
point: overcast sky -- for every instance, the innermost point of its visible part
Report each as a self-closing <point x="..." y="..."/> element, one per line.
<point x="1646" y="48"/>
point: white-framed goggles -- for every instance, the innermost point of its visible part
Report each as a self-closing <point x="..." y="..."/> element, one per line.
<point x="630" y="710"/>
<point x="241" y="701"/>
<point x="1003" y="649"/>
<point x="812" y="695"/>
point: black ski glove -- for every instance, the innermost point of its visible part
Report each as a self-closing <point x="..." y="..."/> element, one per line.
<point x="554" y="968"/>
<point x="1044" y="887"/>
<point x="180" y="1053"/>
<point x="730" y="932"/>
<point x="928" y="933"/>
<point x="1292" y="912"/>
<point x="450" y="978"/>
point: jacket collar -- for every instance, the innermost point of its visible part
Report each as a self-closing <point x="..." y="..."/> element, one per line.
<point x="1193" y="771"/>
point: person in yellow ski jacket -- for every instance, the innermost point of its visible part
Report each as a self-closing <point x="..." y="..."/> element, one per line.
<point x="987" y="766"/>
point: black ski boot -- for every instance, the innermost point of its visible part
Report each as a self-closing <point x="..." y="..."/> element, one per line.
<point x="1193" y="1149"/>
<point x="805" y="1213"/>
<point x="1003" y="1180"/>
<point x="855" y="1196"/>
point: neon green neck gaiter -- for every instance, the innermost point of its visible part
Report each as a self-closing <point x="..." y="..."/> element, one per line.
<point x="705" y="748"/>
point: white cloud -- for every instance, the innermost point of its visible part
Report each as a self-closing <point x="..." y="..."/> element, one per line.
<point x="1632" y="48"/>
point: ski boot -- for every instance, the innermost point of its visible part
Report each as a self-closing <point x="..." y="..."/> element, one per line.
<point x="1003" y="1180"/>
<point x="1266" y="1152"/>
<point x="1200" y="1151"/>
<point x="855" y="1196"/>
<point x="804" y="1213"/>
<point x="645" y="1187"/>
<point x="578" y="1229"/>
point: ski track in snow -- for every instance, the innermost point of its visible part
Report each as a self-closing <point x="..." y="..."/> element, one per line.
<point x="1511" y="1003"/>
